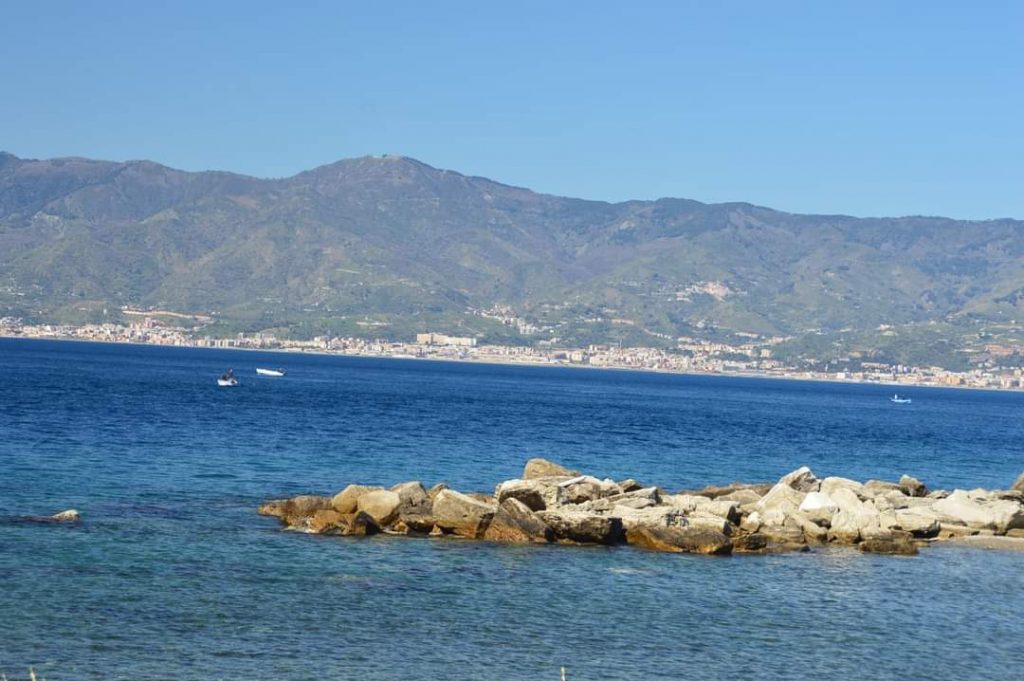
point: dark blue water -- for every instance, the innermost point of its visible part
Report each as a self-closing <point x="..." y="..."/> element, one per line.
<point x="173" y="575"/>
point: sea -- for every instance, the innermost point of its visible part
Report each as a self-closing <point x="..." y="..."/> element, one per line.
<point x="172" y="574"/>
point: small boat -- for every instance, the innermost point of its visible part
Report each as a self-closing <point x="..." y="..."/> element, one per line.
<point x="896" y="399"/>
<point x="270" y="372"/>
<point x="227" y="379"/>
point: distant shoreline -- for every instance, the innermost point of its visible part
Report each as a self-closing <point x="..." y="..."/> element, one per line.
<point x="498" y="362"/>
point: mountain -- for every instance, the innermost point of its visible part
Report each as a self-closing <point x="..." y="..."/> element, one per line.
<point x="389" y="245"/>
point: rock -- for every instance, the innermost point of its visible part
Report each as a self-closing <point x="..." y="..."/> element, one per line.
<point x="637" y="499"/>
<point x="874" y="487"/>
<point x="938" y="494"/>
<point x="853" y="520"/>
<point x="346" y="501"/>
<point x="981" y="513"/>
<point x="584" y="488"/>
<point x="781" y="501"/>
<point x="1006" y="543"/>
<point x="749" y="543"/>
<point x="816" y="501"/>
<point x="831" y="484"/>
<point x="629" y="485"/>
<point x="514" y="522"/>
<point x="652" y="516"/>
<point x="68" y="516"/>
<point x="706" y="521"/>
<point x="690" y="503"/>
<point x="912" y="487"/>
<point x="741" y="496"/>
<point x="433" y="491"/>
<point x="359" y="525"/>
<point x="297" y="510"/>
<point x="415" y="508"/>
<point x="461" y="514"/>
<point x="680" y="540"/>
<point x="582" y="527"/>
<point x="1018" y="484"/>
<point x="542" y="468"/>
<point x="325" y="521"/>
<point x="534" y="493"/>
<point x="919" y="522"/>
<point x="380" y="504"/>
<point x="802" y="480"/>
<point x="954" y="530"/>
<point x="890" y="545"/>
<point x="751" y="523"/>
<point x="716" y="491"/>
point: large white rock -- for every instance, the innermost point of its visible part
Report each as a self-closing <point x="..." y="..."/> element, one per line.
<point x="980" y="512"/>
<point x="831" y="484"/>
<point x="802" y="480"/>
<point x="853" y="520"/>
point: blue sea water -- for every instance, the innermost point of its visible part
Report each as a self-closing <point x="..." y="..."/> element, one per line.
<point x="172" y="575"/>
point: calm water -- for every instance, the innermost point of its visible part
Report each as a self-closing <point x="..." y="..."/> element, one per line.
<point x="173" y="575"/>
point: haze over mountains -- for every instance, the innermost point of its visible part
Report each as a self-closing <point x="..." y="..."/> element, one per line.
<point x="389" y="245"/>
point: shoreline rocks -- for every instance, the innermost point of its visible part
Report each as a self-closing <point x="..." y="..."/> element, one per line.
<point x="553" y="504"/>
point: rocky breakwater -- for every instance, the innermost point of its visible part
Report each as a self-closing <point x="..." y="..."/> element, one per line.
<point x="551" y="504"/>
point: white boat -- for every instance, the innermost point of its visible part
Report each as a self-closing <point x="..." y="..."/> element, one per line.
<point x="270" y="372"/>
<point x="896" y="399"/>
<point x="227" y="379"/>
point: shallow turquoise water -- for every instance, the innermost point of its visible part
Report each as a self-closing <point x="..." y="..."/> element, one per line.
<point x="174" y="576"/>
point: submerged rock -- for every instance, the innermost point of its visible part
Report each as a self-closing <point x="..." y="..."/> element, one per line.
<point x="889" y="545"/>
<point x="69" y="516"/>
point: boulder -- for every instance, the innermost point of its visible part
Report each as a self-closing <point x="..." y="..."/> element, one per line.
<point x="680" y="540"/>
<point x="629" y="485"/>
<point x="542" y="468"/>
<point x="873" y="488"/>
<point x="889" y="545"/>
<point x="69" y="516"/>
<point x="582" y="527"/>
<point x="716" y="491"/>
<point x="652" y="516"/>
<point x="741" y="496"/>
<point x="358" y="525"/>
<point x="921" y="523"/>
<point x="461" y="514"/>
<point x="853" y="520"/>
<point x="749" y="543"/>
<point x="637" y="499"/>
<point x="818" y="501"/>
<point x="415" y="508"/>
<point x="346" y="501"/>
<point x="515" y="523"/>
<point x="831" y="484"/>
<point x="325" y="521"/>
<point x="912" y="487"/>
<point x="433" y="491"/>
<point x="534" y="493"/>
<point x="1018" y="484"/>
<point x="380" y="504"/>
<point x="781" y="501"/>
<point x="981" y="513"/>
<point x="690" y="503"/>
<point x="297" y="510"/>
<point x="584" y="488"/>
<point x="706" y="521"/>
<point x="751" y="523"/>
<point x="802" y="480"/>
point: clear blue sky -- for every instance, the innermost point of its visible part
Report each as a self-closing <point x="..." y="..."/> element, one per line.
<point x="869" y="108"/>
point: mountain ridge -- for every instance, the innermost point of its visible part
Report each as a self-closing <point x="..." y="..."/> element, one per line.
<point x="392" y="240"/>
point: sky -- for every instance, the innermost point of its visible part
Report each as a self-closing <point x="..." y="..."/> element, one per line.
<point x="863" y="108"/>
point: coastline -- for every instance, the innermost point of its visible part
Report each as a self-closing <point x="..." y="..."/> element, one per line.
<point x="497" y="361"/>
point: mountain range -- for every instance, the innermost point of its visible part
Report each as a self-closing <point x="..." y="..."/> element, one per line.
<point x="389" y="245"/>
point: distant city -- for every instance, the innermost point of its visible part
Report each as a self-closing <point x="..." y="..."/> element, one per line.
<point x="691" y="355"/>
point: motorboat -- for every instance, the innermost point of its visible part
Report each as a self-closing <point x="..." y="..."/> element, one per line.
<point x="896" y="399"/>
<point x="277" y="373"/>
<point x="227" y="379"/>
